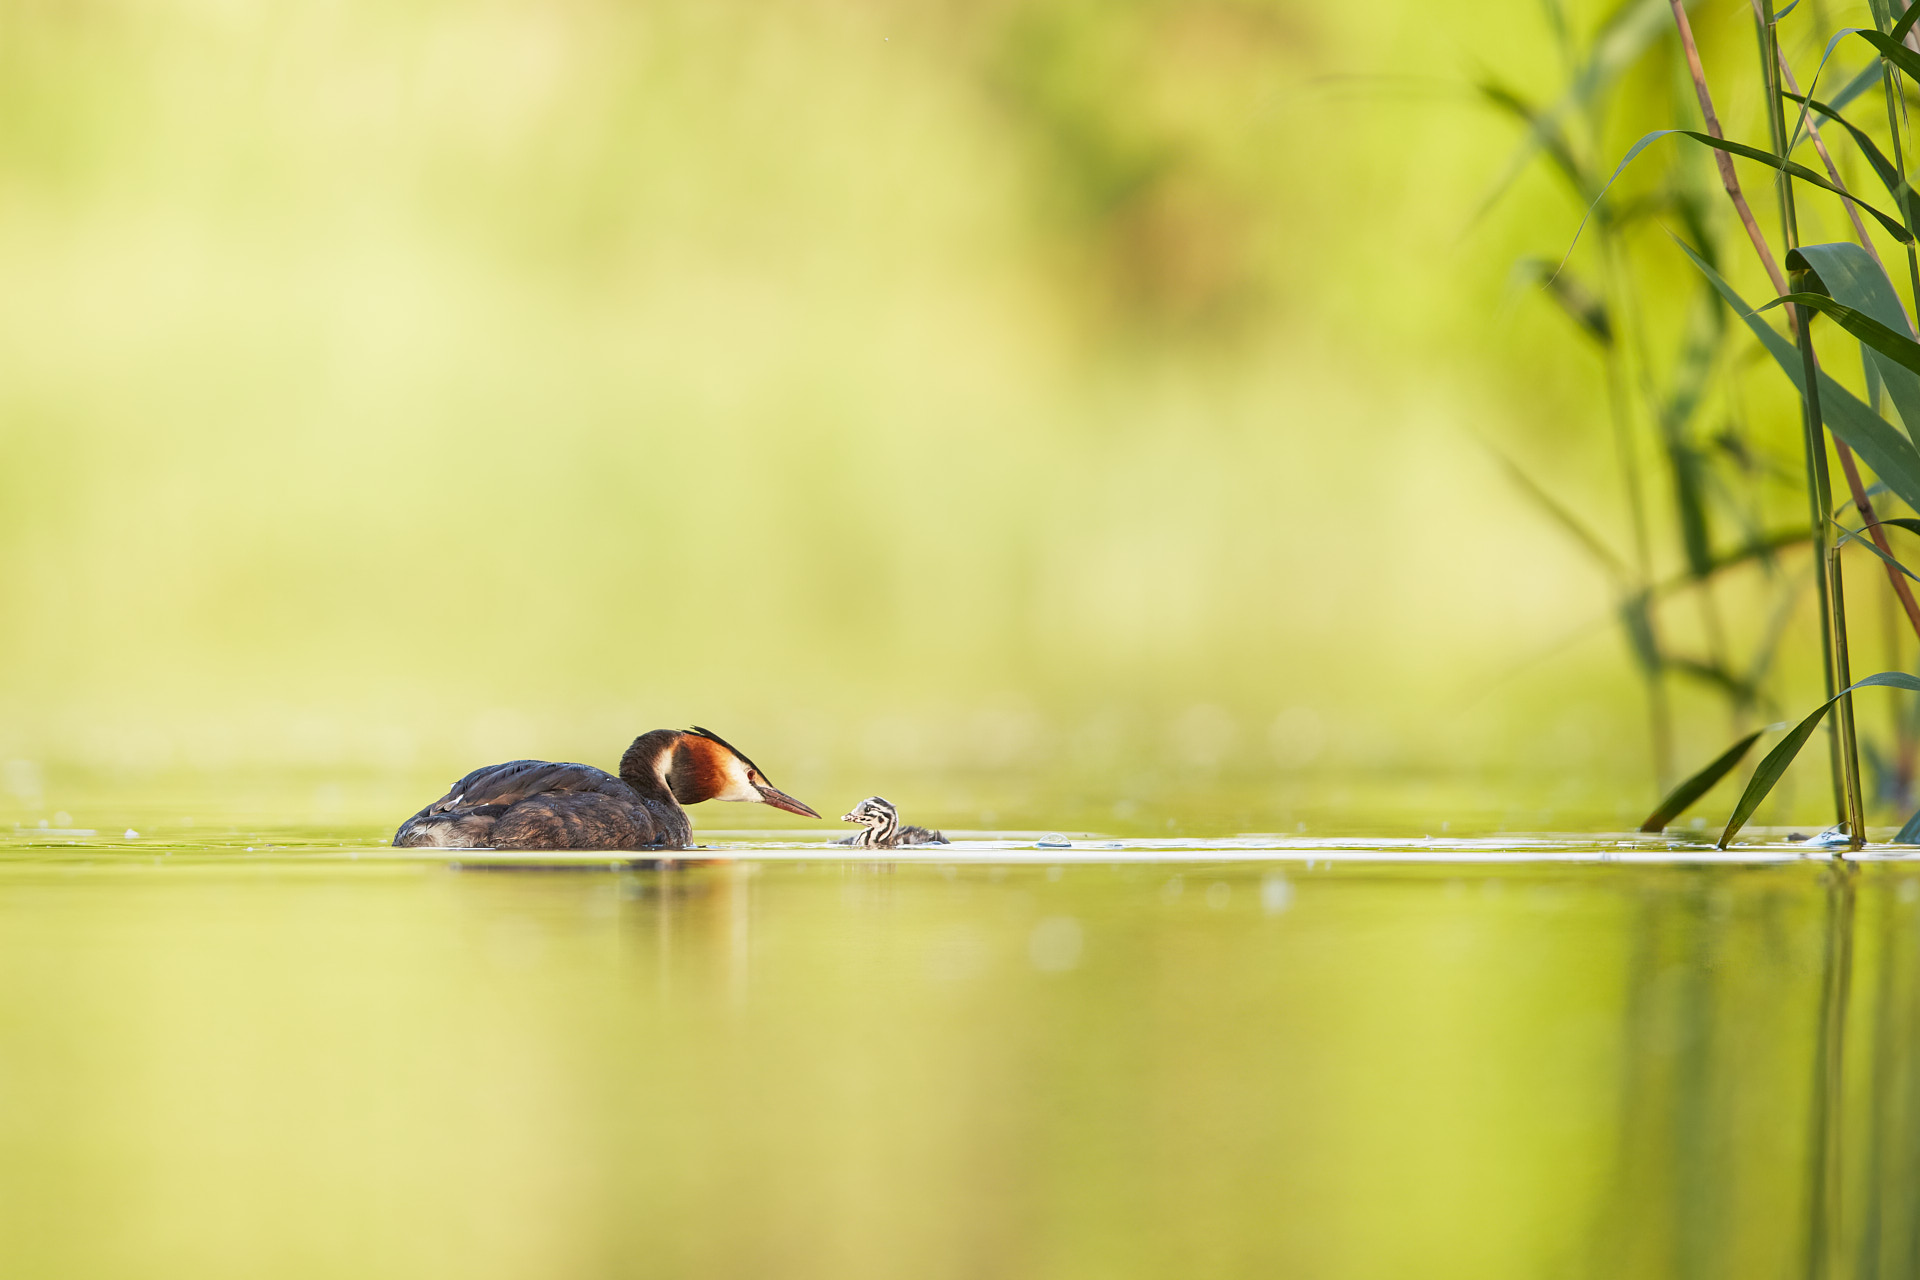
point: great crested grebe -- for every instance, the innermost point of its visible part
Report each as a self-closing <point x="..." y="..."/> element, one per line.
<point x="883" y="829"/>
<point x="531" y="804"/>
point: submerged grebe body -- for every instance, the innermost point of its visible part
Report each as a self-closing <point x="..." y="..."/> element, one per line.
<point x="531" y="804"/>
<point x="883" y="829"/>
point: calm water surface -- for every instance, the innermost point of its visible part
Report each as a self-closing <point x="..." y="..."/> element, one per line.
<point x="271" y="1054"/>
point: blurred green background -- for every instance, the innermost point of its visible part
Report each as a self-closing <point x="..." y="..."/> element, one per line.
<point x="1049" y="414"/>
<point x="1054" y="407"/>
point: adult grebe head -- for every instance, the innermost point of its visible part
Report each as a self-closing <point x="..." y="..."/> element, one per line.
<point x="701" y="765"/>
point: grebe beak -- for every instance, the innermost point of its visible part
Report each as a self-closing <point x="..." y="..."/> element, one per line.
<point x="781" y="800"/>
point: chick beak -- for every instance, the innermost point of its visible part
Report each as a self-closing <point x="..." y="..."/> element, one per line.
<point x="781" y="800"/>
<point x="847" y="817"/>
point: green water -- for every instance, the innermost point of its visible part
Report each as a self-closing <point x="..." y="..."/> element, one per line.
<point x="317" y="1061"/>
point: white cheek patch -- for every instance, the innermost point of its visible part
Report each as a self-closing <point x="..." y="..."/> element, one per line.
<point x="738" y="784"/>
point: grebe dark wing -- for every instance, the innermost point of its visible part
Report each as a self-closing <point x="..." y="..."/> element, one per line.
<point x="549" y="804"/>
<point x="516" y="780"/>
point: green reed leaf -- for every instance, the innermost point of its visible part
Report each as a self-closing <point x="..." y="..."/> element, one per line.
<point x="1902" y="522"/>
<point x="1897" y="187"/>
<point x="1776" y="761"/>
<point x="1895" y="228"/>
<point x="1681" y="798"/>
<point x="1891" y="455"/>
<point x="1910" y="833"/>
<point x="1772" y="767"/>
<point x="1793" y="139"/>
<point x="1893" y="225"/>
<point x="1849" y="274"/>
<point x="1893" y="50"/>
<point x="1903" y="350"/>
<point x="1898" y="33"/>
<point x="1861" y="538"/>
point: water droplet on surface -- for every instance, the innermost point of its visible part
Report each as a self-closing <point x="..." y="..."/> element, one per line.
<point x="1053" y="840"/>
<point x="132" y="834"/>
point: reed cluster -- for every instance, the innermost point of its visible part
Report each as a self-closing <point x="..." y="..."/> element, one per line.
<point x="1847" y="117"/>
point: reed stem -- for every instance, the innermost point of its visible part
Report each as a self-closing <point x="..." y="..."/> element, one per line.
<point x="1826" y="160"/>
<point x="1856" y="487"/>
<point x="1842" y="744"/>
<point x="1729" y="180"/>
<point x="1883" y="20"/>
<point x="1845" y="781"/>
<point x="1849" y="742"/>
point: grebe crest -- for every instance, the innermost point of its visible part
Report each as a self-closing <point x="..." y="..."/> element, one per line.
<point x="883" y="829"/>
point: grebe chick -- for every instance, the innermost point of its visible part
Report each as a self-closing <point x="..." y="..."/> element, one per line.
<point x="531" y="804"/>
<point x="883" y="829"/>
